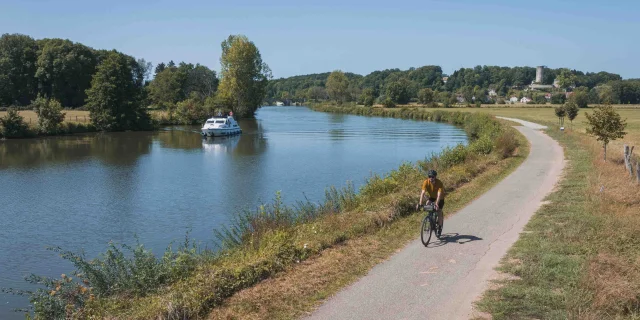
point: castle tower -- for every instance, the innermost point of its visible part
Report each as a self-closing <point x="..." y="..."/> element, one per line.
<point x="539" y="70"/>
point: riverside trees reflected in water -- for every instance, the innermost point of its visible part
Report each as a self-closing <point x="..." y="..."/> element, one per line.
<point x="79" y="192"/>
<point x="123" y="148"/>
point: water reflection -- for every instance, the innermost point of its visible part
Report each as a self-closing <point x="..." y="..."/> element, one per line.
<point x="252" y="140"/>
<point x="220" y="144"/>
<point x="122" y="149"/>
<point x="185" y="138"/>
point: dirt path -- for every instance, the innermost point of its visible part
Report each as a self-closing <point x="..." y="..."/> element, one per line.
<point x="443" y="280"/>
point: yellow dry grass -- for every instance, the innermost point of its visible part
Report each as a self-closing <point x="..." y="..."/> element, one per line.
<point x="31" y="118"/>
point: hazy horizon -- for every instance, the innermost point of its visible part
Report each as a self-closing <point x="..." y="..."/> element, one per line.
<point x="358" y="37"/>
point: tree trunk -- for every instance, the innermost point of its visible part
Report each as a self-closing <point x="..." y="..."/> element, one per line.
<point x="605" y="152"/>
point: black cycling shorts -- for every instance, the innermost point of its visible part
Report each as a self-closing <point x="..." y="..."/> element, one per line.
<point x="440" y="204"/>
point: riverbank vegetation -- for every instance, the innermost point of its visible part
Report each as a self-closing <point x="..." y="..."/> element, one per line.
<point x="131" y="283"/>
<point x="117" y="89"/>
<point x="429" y="86"/>
<point x="579" y="256"/>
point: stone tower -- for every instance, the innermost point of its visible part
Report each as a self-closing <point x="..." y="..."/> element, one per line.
<point x="539" y="70"/>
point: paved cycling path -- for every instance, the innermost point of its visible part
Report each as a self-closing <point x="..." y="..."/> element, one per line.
<point x="443" y="280"/>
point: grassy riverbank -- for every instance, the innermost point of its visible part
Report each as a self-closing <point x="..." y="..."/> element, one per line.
<point x="275" y="241"/>
<point x="579" y="257"/>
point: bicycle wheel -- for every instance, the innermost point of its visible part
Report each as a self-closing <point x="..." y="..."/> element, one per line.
<point x="425" y="232"/>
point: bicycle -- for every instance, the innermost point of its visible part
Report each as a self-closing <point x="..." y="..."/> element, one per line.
<point x="429" y="224"/>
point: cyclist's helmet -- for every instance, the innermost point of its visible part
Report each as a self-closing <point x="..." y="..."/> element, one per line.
<point x="432" y="173"/>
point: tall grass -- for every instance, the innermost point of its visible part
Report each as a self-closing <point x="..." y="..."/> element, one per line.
<point x="130" y="283"/>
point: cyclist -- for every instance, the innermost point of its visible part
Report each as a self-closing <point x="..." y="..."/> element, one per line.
<point x="435" y="189"/>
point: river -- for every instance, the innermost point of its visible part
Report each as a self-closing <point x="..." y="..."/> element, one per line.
<point x="80" y="192"/>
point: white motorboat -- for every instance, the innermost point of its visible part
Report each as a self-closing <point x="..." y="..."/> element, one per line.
<point x="220" y="126"/>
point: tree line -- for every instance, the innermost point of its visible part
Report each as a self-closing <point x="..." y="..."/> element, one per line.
<point x="429" y="84"/>
<point x="116" y="88"/>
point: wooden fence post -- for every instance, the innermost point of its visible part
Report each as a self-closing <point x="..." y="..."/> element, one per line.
<point x="627" y="159"/>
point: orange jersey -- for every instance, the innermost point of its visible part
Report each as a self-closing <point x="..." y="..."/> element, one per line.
<point x="433" y="188"/>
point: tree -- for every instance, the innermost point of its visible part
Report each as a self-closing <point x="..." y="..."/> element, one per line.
<point x="316" y="93"/>
<point x="367" y="97"/>
<point x="202" y="81"/>
<point x="558" y="98"/>
<point x="539" y="98"/>
<point x="426" y="96"/>
<point x="160" y="67"/>
<point x="146" y="67"/>
<point x="338" y="86"/>
<point x="572" y="111"/>
<point x="566" y="78"/>
<point x="50" y="114"/>
<point x="244" y="76"/>
<point x="18" y="56"/>
<point x="114" y="97"/>
<point x="388" y="103"/>
<point x="606" y="125"/>
<point x="12" y="125"/>
<point x="560" y="113"/>
<point x="64" y="71"/>
<point x="605" y="94"/>
<point x="398" y="91"/>
<point x="580" y="98"/>
<point x="166" y="89"/>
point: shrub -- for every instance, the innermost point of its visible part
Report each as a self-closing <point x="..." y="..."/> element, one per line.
<point x="501" y="101"/>
<point x="190" y="111"/>
<point x="50" y="115"/>
<point x="506" y="144"/>
<point x="452" y="156"/>
<point x="13" y="125"/>
<point x="388" y="103"/>
<point x="483" y="145"/>
<point x="122" y="270"/>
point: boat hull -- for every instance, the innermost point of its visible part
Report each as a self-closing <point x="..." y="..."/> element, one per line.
<point x="221" y="132"/>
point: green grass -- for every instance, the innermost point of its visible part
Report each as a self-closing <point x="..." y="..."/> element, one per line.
<point x="560" y="258"/>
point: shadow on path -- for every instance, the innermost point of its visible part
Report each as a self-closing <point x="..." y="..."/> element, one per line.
<point x="453" y="238"/>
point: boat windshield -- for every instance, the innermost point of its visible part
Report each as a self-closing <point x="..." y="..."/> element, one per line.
<point x="219" y="121"/>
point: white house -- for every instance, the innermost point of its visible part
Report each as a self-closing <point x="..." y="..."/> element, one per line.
<point x="525" y="100"/>
<point x="513" y="99"/>
<point x="492" y="93"/>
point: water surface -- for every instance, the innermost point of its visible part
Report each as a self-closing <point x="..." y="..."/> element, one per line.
<point x="80" y="192"/>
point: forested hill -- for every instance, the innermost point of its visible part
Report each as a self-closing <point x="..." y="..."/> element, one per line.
<point x="503" y="80"/>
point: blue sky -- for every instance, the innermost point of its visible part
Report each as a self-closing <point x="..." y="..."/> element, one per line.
<point x="302" y="37"/>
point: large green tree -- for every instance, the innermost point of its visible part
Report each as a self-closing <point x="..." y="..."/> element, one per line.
<point x="338" y="86"/>
<point x="18" y="56"/>
<point x="200" y="81"/>
<point x="244" y="76"/>
<point x="566" y="78"/>
<point x="166" y="88"/>
<point x="115" y="94"/>
<point x="399" y="91"/>
<point x="64" y="71"/>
